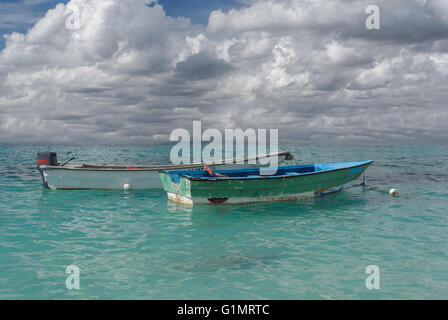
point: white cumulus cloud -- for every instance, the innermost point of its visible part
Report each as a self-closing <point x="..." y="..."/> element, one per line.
<point x="122" y="71"/>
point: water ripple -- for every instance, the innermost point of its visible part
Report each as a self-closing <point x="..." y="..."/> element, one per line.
<point x="137" y="245"/>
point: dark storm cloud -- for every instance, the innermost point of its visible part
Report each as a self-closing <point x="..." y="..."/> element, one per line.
<point x="202" y="66"/>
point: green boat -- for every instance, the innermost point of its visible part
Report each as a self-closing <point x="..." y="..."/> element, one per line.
<point x="251" y="185"/>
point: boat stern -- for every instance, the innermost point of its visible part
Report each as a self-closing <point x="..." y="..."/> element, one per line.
<point x="46" y="159"/>
<point x="178" y="188"/>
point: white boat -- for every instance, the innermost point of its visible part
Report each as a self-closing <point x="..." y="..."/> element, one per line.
<point x="70" y="176"/>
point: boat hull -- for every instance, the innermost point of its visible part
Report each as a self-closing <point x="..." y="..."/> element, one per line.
<point x="71" y="179"/>
<point x="262" y="189"/>
<point x="247" y="200"/>
<point x="111" y="177"/>
<point x="100" y="179"/>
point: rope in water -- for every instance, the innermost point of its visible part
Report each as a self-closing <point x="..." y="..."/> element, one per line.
<point x="365" y="187"/>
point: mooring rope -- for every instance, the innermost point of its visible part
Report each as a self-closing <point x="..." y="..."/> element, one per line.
<point x="365" y="188"/>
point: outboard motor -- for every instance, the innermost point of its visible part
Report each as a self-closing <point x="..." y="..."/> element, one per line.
<point x="47" y="159"/>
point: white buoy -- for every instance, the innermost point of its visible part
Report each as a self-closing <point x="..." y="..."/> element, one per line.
<point x="127" y="187"/>
<point x="393" y="192"/>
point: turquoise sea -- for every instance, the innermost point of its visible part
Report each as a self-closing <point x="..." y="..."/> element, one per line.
<point x="137" y="245"/>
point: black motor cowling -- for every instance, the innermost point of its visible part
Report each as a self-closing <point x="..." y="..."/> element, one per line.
<point x="47" y="158"/>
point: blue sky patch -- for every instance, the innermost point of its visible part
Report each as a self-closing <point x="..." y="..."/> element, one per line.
<point x="19" y="16"/>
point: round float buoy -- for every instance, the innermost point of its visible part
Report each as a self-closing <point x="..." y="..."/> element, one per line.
<point x="393" y="192"/>
<point x="127" y="187"/>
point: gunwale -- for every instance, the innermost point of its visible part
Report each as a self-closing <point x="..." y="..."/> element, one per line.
<point x="139" y="168"/>
<point x="220" y="179"/>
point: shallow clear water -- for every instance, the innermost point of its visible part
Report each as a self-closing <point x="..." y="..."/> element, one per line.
<point x="137" y="245"/>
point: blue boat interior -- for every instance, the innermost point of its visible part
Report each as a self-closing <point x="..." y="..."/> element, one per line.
<point x="282" y="171"/>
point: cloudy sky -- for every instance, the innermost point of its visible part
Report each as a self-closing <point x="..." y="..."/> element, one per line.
<point x="131" y="71"/>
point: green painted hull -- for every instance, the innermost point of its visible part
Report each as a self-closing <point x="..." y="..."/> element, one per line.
<point x="263" y="189"/>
